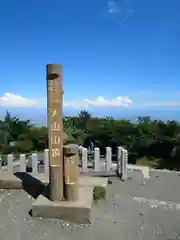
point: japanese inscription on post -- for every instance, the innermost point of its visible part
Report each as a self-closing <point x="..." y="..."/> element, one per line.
<point x="71" y="169"/>
<point x="55" y="119"/>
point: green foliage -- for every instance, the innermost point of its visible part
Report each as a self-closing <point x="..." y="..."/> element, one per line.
<point x="24" y="146"/>
<point x="149" y="142"/>
<point x="149" y="162"/>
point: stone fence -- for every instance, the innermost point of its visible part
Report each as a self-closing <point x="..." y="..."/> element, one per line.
<point x="88" y="161"/>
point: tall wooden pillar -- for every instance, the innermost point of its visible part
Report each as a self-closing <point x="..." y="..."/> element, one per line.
<point x="55" y="130"/>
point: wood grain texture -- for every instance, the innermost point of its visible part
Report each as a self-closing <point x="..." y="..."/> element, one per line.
<point x="71" y="173"/>
<point x="71" y="191"/>
<point x="56" y="183"/>
<point x="55" y="129"/>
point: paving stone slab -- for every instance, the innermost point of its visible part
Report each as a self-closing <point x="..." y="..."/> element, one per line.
<point x="9" y="181"/>
<point x="100" y="184"/>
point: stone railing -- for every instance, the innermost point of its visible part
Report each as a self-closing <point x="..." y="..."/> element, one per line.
<point x="88" y="161"/>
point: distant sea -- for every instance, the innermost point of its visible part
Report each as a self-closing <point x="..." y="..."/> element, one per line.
<point x="39" y="115"/>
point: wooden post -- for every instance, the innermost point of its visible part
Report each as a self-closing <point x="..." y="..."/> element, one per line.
<point x="55" y="130"/>
<point x="71" y="171"/>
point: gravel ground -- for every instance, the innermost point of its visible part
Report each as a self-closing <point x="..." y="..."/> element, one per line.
<point x="119" y="217"/>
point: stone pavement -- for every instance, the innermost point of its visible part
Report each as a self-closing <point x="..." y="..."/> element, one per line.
<point x="126" y="214"/>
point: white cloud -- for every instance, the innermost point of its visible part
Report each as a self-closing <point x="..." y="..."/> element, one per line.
<point x="113" y="7"/>
<point x="124" y="8"/>
<point x="100" y="102"/>
<point x="12" y="100"/>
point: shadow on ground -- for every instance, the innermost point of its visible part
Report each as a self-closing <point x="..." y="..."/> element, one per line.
<point x="31" y="185"/>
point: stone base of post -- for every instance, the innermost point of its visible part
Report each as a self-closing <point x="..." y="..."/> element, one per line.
<point x="56" y="180"/>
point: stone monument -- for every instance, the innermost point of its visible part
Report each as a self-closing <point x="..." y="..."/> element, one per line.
<point x="70" y="196"/>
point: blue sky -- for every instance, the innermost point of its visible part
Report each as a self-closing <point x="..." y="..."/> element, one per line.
<point x="117" y="54"/>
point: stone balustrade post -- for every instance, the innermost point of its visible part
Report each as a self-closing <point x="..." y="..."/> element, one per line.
<point x="97" y="159"/>
<point x="119" y="161"/>
<point x="84" y="160"/>
<point x="108" y="158"/>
